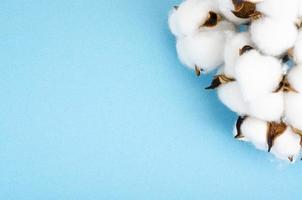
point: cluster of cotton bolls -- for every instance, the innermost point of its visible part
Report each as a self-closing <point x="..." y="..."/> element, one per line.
<point x="256" y="47"/>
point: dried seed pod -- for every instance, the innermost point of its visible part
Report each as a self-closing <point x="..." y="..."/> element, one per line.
<point x="212" y="19"/>
<point x="245" y="49"/>
<point x="284" y="86"/>
<point x="274" y="131"/>
<point x="218" y="81"/>
<point x="244" y="9"/>
<point x="239" y="123"/>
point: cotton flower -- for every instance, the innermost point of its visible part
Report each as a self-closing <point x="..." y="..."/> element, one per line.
<point x="257" y="75"/>
<point x="273" y="37"/>
<point x="190" y="15"/>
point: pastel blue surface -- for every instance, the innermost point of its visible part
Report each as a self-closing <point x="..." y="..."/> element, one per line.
<point x="95" y="105"/>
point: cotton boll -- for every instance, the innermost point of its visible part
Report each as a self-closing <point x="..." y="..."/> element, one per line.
<point x="293" y="109"/>
<point x="226" y="7"/>
<point x="257" y="75"/>
<point x="279" y="9"/>
<point x="287" y="146"/>
<point x="269" y="107"/>
<point x="204" y="50"/>
<point x="189" y="16"/>
<point x="297" y="53"/>
<point x="230" y="95"/>
<point x="295" y="78"/>
<point x="255" y="131"/>
<point x="273" y="37"/>
<point x="235" y="41"/>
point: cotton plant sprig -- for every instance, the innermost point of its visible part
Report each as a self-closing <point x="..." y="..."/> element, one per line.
<point x="254" y="78"/>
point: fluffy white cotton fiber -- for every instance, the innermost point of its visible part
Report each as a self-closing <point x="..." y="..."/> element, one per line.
<point x="269" y="107"/>
<point x="255" y="131"/>
<point x="297" y="52"/>
<point x="204" y="50"/>
<point x="273" y="37"/>
<point x="293" y="109"/>
<point x="279" y="9"/>
<point x="257" y="75"/>
<point x="235" y="41"/>
<point x="295" y="78"/>
<point x="231" y="96"/>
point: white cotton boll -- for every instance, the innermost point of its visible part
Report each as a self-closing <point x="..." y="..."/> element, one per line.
<point x="189" y="16"/>
<point x="279" y="9"/>
<point x="226" y="7"/>
<point x="295" y="78"/>
<point x="257" y="75"/>
<point x="297" y="53"/>
<point x="255" y="131"/>
<point x="269" y="107"/>
<point x="287" y="146"/>
<point x="273" y="37"/>
<point x="293" y="109"/>
<point x="234" y="42"/>
<point x="230" y="95"/>
<point x="204" y="50"/>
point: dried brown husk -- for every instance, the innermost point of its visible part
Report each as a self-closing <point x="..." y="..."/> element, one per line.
<point x="275" y="129"/>
<point x="239" y="123"/>
<point x="219" y="80"/>
<point x="245" y="49"/>
<point x="198" y="70"/>
<point x="212" y="20"/>
<point x="299" y="132"/>
<point x="285" y="86"/>
<point x="245" y="10"/>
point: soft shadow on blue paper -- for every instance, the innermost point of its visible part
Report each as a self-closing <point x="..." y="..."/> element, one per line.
<point x="95" y="105"/>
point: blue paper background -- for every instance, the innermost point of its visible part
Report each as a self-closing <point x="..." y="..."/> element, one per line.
<point x="95" y="105"/>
